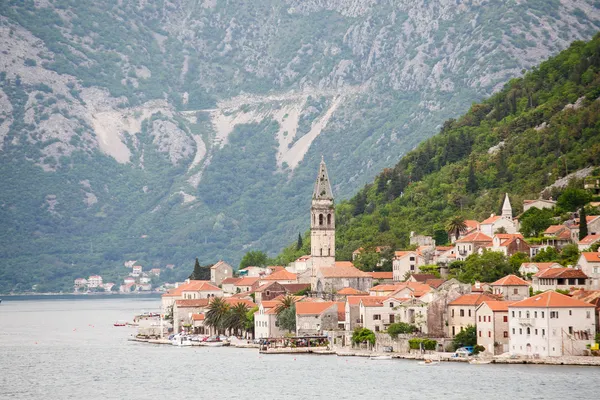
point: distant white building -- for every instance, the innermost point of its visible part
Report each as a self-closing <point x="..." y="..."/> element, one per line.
<point x="80" y="283"/>
<point x="539" y="203"/>
<point x="94" y="281"/>
<point x="406" y="262"/>
<point x="550" y="324"/>
<point x="136" y="270"/>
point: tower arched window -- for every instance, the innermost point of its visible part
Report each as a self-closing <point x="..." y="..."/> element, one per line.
<point x="321" y="219"/>
<point x="328" y="219"/>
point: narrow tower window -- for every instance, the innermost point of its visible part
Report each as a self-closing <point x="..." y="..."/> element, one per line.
<point x="328" y="219"/>
<point x="320" y="219"/>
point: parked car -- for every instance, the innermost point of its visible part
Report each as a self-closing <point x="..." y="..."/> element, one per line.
<point x="463" y="351"/>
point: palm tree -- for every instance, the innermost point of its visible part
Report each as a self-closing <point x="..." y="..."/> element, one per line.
<point x="286" y="302"/>
<point x="235" y="320"/>
<point x="216" y="314"/>
<point x="455" y="226"/>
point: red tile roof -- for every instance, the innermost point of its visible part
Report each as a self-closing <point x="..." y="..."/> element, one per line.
<point x="247" y="281"/>
<point x="192" y="303"/>
<point x="491" y="220"/>
<point x="498" y="306"/>
<point x="471" y="224"/>
<point x="423" y="277"/>
<point x="270" y="303"/>
<point x="313" y="308"/>
<point x="472" y="299"/>
<point x="233" y="301"/>
<point x="561" y="273"/>
<point x="355" y="300"/>
<point x="475" y="237"/>
<point x="343" y="272"/>
<point x="281" y="275"/>
<point x="197" y="317"/>
<point x="343" y="264"/>
<point x="510" y="280"/>
<point x="540" y="265"/>
<point x="381" y="275"/>
<point x="551" y="299"/>
<point x="435" y="283"/>
<point x="295" y="287"/>
<point x="230" y="280"/>
<point x="385" y="288"/>
<point x="553" y="229"/>
<point x="191" y="286"/>
<point x="351" y="292"/>
<point x="372" y="301"/>
<point x="590" y="239"/>
<point x="591" y="256"/>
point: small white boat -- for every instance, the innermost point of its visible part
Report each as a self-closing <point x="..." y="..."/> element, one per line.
<point x="213" y="344"/>
<point x="388" y="357"/>
<point x="180" y="340"/>
<point x="429" y="362"/>
<point x="476" y="362"/>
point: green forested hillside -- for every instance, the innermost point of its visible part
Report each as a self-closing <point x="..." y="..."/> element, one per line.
<point x="536" y="130"/>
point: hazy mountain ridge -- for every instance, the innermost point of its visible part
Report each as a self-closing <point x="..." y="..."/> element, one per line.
<point x="177" y="92"/>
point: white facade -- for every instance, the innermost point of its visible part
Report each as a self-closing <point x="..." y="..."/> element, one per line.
<point x="265" y="324"/>
<point x="589" y="263"/>
<point x="406" y="262"/>
<point x="94" y="281"/>
<point x="550" y="331"/>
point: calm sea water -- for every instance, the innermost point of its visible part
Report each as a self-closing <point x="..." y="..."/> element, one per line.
<point x="67" y="348"/>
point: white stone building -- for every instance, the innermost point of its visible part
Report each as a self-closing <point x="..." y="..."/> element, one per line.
<point x="492" y="326"/>
<point x="511" y="287"/>
<point x="94" y="281"/>
<point x="220" y="271"/>
<point x="550" y="324"/>
<point x="406" y="262"/>
<point x="589" y="263"/>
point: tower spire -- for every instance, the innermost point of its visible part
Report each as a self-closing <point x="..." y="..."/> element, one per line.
<point x="322" y="188"/>
<point x="506" y="208"/>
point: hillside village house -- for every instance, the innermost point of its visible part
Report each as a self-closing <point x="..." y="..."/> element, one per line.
<point x="550" y="324"/>
<point x="461" y="312"/>
<point x="247" y="284"/>
<point x="190" y="290"/>
<point x="471" y="226"/>
<point x="228" y="286"/>
<point x="94" y="281"/>
<point x="589" y="263"/>
<point x="511" y="287"/>
<point x="558" y="236"/>
<point x="532" y="268"/>
<point x="312" y="318"/>
<point x="280" y="276"/>
<point x="220" y="271"/>
<point x="492" y="326"/>
<point x="136" y="270"/>
<point x="509" y="244"/>
<point x="80" y="283"/>
<point x="471" y="244"/>
<point x="588" y="241"/>
<point x="406" y="262"/>
<point x="495" y="222"/>
<point x="559" y="278"/>
<point x="333" y="279"/>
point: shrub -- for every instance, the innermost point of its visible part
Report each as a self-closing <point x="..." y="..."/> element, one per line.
<point x="478" y="349"/>
<point x="427" y="344"/>
<point x="362" y="335"/>
<point x="400" y="327"/>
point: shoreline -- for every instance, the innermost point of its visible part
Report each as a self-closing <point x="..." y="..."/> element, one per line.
<point x="583" y="361"/>
<point x="49" y="294"/>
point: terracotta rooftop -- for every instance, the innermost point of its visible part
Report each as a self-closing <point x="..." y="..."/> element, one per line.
<point x="348" y="291"/>
<point x="381" y="275"/>
<point x="591" y="256"/>
<point x="423" y="277"/>
<point x="540" y="265"/>
<point x="281" y="275"/>
<point x="385" y="288"/>
<point x="295" y="287"/>
<point x="510" y="280"/>
<point x="343" y="272"/>
<point x="403" y="253"/>
<point x="219" y="264"/>
<point x="590" y="239"/>
<point x="191" y="286"/>
<point x="561" y="273"/>
<point x="475" y="237"/>
<point x="491" y="220"/>
<point x="233" y="301"/>
<point x="472" y="224"/>
<point x="472" y="299"/>
<point x="247" y="281"/>
<point x="498" y="306"/>
<point x="270" y="303"/>
<point x="230" y="280"/>
<point x="372" y="301"/>
<point x="197" y="317"/>
<point x="435" y="283"/>
<point x="355" y="300"/>
<point x="553" y="229"/>
<point x="343" y="264"/>
<point x="550" y="299"/>
<point x="417" y="289"/>
<point x="313" y="308"/>
<point x="192" y="303"/>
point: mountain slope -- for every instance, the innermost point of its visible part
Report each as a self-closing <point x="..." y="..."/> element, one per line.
<point x="165" y="130"/>
<point x="520" y="141"/>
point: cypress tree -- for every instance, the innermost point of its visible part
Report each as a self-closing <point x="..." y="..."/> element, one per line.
<point x="583" y="228"/>
<point x="197" y="274"/>
<point x="471" y="180"/>
<point x="299" y="243"/>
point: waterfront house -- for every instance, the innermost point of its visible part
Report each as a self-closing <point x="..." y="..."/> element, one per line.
<point x="144" y="278"/>
<point x="511" y="287"/>
<point x="405" y="263"/>
<point x="437" y="310"/>
<point x="265" y="320"/>
<point x="532" y="268"/>
<point x="247" y="284"/>
<point x="589" y="263"/>
<point x="127" y="287"/>
<point x="461" y="311"/>
<point x="80" y="283"/>
<point x="144" y="287"/>
<point x="269" y="291"/>
<point x="94" y="281"/>
<point x="128" y="279"/>
<point x="312" y="318"/>
<point x="108" y="286"/>
<point x="341" y="275"/>
<point x="492" y="325"/>
<point x="183" y="311"/>
<point x="189" y="290"/>
<point x="550" y="324"/>
<point x="591" y="297"/>
<point x="471" y="244"/>
<point x="559" y="278"/>
<point x="377" y="314"/>
<point x="219" y="272"/>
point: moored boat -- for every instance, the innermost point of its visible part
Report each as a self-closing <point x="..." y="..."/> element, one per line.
<point x="120" y="323"/>
<point x="388" y="357"/>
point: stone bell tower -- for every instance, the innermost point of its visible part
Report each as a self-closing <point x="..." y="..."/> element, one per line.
<point x="322" y="222"/>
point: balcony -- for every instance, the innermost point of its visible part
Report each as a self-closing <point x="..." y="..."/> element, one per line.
<point x="526" y="321"/>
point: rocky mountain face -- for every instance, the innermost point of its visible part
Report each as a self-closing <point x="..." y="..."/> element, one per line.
<point x="164" y="130"/>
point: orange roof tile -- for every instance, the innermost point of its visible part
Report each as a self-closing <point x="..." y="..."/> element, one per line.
<point x="197" y="317"/>
<point x="384" y="288"/>
<point x="472" y="224"/>
<point x="230" y="280"/>
<point x="295" y="287"/>
<point x="498" y="306"/>
<point x="472" y="299"/>
<point x="491" y="220"/>
<point x="232" y="301"/>
<point x="475" y="237"/>
<point x="435" y="283"/>
<point x="590" y="239"/>
<point x="247" y="281"/>
<point x="540" y="265"/>
<point x="355" y="300"/>
<point x="270" y="303"/>
<point x="423" y="277"/>
<point x="189" y="286"/>
<point x="552" y="229"/>
<point x="372" y="301"/>
<point x="351" y="292"/>
<point x="561" y="273"/>
<point x="591" y="256"/>
<point x="381" y="275"/>
<point x="343" y="264"/>
<point x="551" y="299"/>
<point x="313" y="308"/>
<point x="510" y="280"/>
<point x="342" y="272"/>
<point x="192" y="303"/>
<point x="281" y="275"/>
<point x="417" y="289"/>
<point x="341" y="306"/>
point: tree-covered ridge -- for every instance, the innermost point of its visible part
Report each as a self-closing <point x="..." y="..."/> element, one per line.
<point x="536" y="130"/>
